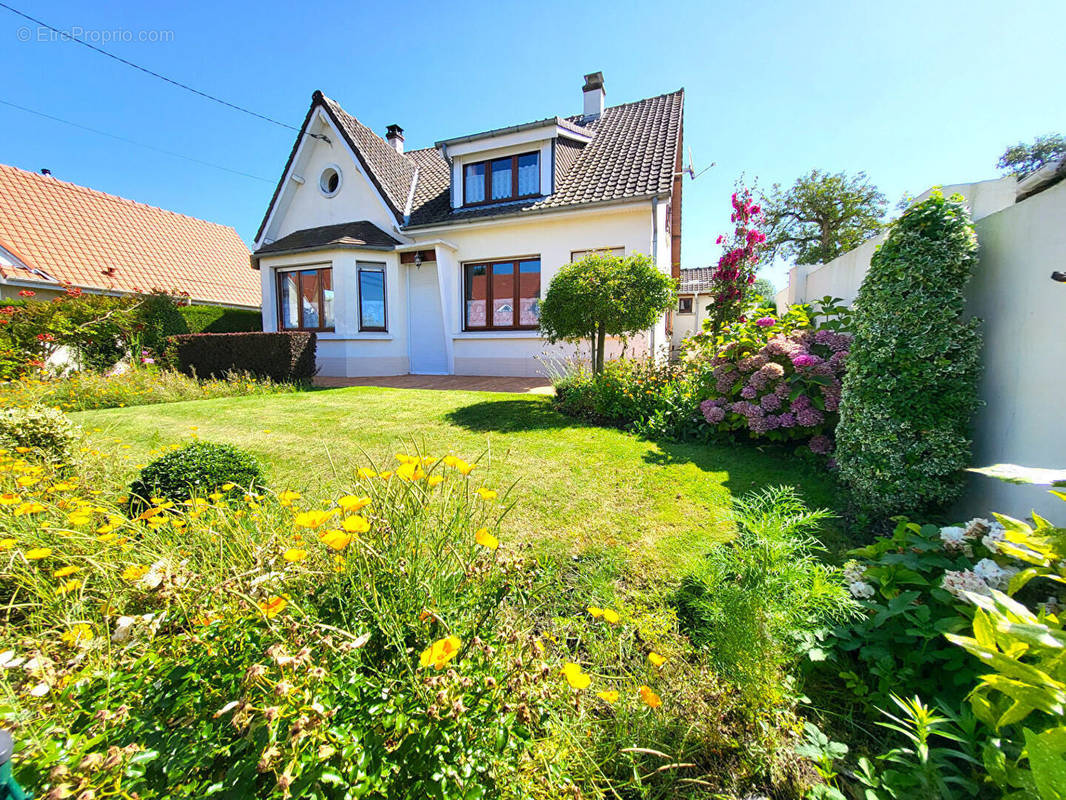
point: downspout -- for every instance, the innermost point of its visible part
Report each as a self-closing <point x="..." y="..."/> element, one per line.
<point x="654" y="260"/>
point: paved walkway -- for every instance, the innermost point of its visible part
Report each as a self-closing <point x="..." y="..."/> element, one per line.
<point x="469" y="383"/>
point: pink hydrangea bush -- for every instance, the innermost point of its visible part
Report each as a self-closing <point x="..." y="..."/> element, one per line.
<point x="778" y="378"/>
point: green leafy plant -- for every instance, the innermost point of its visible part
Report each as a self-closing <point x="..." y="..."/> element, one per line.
<point x="46" y="432"/>
<point x="602" y="295"/>
<point x="910" y="390"/>
<point x="757" y="602"/>
<point x="196" y="470"/>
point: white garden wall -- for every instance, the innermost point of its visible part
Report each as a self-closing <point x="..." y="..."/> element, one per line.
<point x="1024" y="312"/>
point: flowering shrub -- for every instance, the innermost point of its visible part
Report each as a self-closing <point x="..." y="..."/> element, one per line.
<point x="735" y="271"/>
<point x="197" y="470"/>
<point x="626" y="392"/>
<point x="911" y="386"/>
<point x="777" y="378"/>
<point x="42" y="432"/>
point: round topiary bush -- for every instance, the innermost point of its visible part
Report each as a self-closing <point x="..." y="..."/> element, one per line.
<point x="196" y="470"/>
<point x="48" y="432"/>
<point x="910" y="390"/>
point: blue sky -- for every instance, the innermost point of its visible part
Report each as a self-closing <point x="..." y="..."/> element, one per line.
<point x="914" y="93"/>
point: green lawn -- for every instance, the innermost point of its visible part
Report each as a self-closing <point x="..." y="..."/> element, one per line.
<point x="582" y="487"/>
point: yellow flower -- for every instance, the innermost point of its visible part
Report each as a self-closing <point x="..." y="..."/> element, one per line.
<point x="69" y="586"/>
<point x="312" y="519"/>
<point x="335" y="540"/>
<point x="656" y="659"/>
<point x="401" y="458"/>
<point x="465" y="468"/>
<point x="440" y="652"/>
<point x="27" y="480"/>
<point x="649" y="697"/>
<point x="355" y="525"/>
<point x="107" y="538"/>
<point x="486" y="539"/>
<point x="23" y="449"/>
<point x="366" y="472"/>
<point x="287" y="497"/>
<point x="294" y="554"/>
<point x="410" y="471"/>
<point x="134" y="572"/>
<point x="274" y="606"/>
<point x="105" y="529"/>
<point x="7" y="544"/>
<point x="595" y="612"/>
<point x="611" y="696"/>
<point x="486" y="494"/>
<point x="215" y="496"/>
<point x="385" y="475"/>
<point x="31" y="507"/>
<point x="9" y="499"/>
<point x="350" y="503"/>
<point x="63" y="572"/>
<point x="451" y="461"/>
<point x="78" y="633"/>
<point x="338" y="563"/>
<point x="575" y="677"/>
<point x="80" y="518"/>
<point x="434" y="480"/>
<point x="610" y="616"/>
<point x="228" y="486"/>
<point x="37" y="553"/>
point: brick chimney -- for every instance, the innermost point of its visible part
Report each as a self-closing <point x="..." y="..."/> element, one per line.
<point x="395" y="137"/>
<point x="594" y="94"/>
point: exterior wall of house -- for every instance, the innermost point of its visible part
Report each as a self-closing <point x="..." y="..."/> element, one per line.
<point x="552" y="237"/>
<point x="685" y="325"/>
<point x="305" y="206"/>
<point x="347" y="352"/>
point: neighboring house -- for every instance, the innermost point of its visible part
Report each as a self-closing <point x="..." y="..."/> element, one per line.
<point x="693" y="297"/>
<point x="55" y="234"/>
<point x="434" y="261"/>
<point x="1021" y="234"/>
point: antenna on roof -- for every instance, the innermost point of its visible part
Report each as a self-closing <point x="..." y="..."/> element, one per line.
<point x="690" y="170"/>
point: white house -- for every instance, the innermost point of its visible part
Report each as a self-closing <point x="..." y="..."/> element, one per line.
<point x="693" y="297"/>
<point x="433" y="261"/>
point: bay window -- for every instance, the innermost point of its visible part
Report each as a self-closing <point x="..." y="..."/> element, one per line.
<point x="502" y="295"/>
<point x="500" y="179"/>
<point x="305" y="299"/>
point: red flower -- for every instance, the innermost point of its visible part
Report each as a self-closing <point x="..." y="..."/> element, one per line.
<point x="27" y="293"/>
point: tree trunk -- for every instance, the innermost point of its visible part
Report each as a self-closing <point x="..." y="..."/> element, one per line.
<point x="601" y="343"/>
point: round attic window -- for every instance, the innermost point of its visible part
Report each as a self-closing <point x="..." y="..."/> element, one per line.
<point x="330" y="180"/>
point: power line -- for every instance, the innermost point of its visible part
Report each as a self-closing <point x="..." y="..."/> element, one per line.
<point x="67" y="37"/>
<point x="131" y="141"/>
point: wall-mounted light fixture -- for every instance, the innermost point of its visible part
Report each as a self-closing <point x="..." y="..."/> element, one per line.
<point x="418" y="259"/>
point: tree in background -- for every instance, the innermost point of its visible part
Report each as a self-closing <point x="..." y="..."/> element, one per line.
<point x="734" y="276"/>
<point x="1025" y="159"/>
<point x="762" y="292"/>
<point x="603" y="295"/>
<point x="910" y="389"/>
<point x="821" y="216"/>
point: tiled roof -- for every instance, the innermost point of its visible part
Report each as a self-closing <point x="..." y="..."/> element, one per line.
<point x="99" y="241"/>
<point x="632" y="154"/>
<point x="347" y="234"/>
<point x="695" y="280"/>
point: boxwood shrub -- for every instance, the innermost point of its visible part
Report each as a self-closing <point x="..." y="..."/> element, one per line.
<point x="196" y="470"/>
<point x="284" y="357"/>
<point x="910" y="390"/>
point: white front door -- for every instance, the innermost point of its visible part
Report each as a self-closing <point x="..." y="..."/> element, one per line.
<point x="426" y="321"/>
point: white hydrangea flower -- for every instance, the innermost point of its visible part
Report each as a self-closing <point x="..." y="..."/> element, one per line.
<point x="853" y="571"/>
<point x="990" y="572"/>
<point x="954" y="538"/>
<point x="154" y="576"/>
<point x="963" y="580"/>
<point x="861" y="590"/>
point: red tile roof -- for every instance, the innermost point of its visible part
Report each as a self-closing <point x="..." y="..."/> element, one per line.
<point x="99" y="241"/>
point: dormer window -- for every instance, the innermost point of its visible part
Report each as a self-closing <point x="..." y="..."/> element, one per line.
<point x="500" y="179"/>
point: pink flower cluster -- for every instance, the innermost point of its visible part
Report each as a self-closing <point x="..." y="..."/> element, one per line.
<point x="787" y="389"/>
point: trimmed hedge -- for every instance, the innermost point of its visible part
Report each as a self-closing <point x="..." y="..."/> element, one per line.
<point x="282" y="357"/>
<point x="219" y="319"/>
<point x="196" y="470"/>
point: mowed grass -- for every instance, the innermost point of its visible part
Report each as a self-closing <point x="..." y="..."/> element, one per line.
<point x="576" y="488"/>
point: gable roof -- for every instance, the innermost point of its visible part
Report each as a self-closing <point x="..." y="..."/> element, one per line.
<point x="695" y="280"/>
<point x="361" y="234"/>
<point x="67" y="233"/>
<point x="631" y="154"/>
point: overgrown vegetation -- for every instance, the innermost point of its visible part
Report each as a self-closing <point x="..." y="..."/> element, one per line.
<point x="910" y="390"/>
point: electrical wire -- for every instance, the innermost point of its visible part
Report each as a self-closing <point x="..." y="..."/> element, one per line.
<point x="131" y="141"/>
<point x="67" y="37"/>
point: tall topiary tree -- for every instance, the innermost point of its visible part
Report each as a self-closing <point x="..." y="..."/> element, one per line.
<point x="910" y="390"/>
<point x="602" y="295"/>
